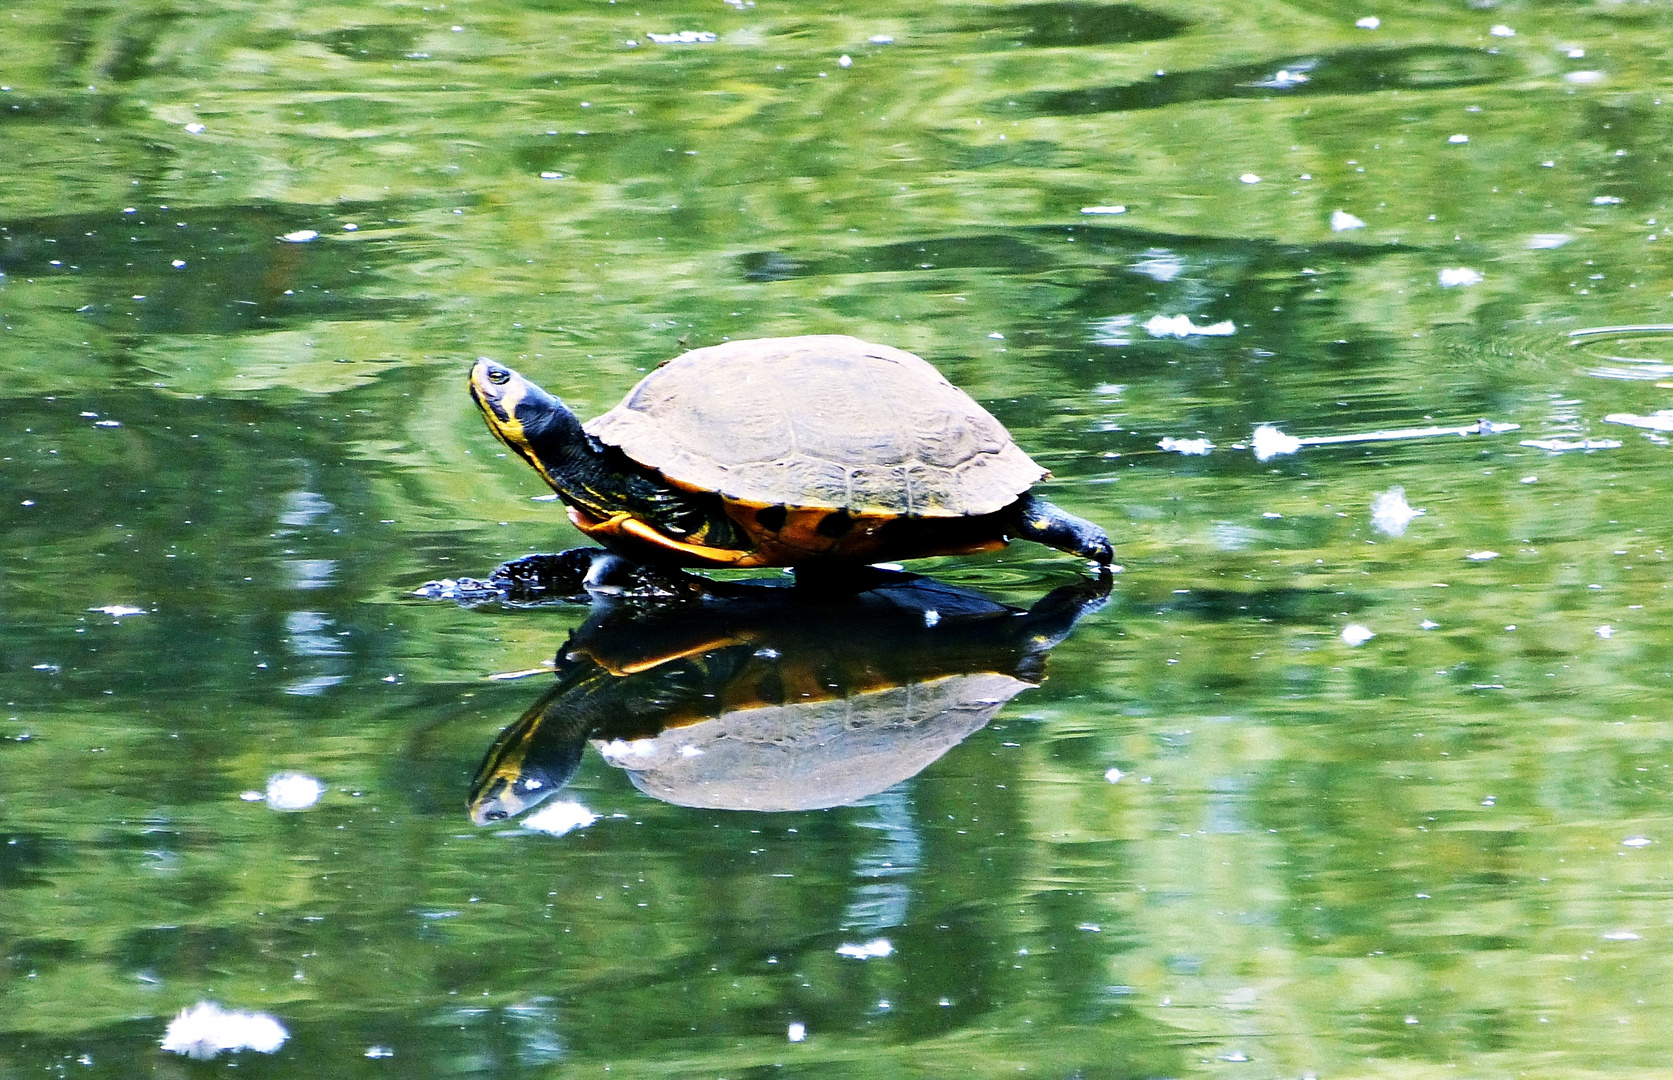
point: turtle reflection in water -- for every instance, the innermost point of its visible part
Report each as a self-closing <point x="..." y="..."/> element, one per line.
<point x="756" y="696"/>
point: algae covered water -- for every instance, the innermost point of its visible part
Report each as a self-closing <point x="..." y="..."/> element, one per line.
<point x="1350" y="324"/>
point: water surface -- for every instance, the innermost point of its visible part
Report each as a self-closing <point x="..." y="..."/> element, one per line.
<point x="1306" y="796"/>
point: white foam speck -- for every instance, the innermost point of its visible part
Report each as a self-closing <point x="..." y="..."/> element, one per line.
<point x="1190" y="447"/>
<point x="1546" y="240"/>
<point x="1103" y="209"/>
<point x="1620" y="935"/>
<point x="1250" y="178"/>
<point x="1636" y="841"/>
<point x="797" y="1032"/>
<point x="1269" y="443"/>
<point x="118" y="610"/>
<point x="1369" y="22"/>
<point x="845" y="60"/>
<point x="1113" y="775"/>
<point x="206" y="1029"/>
<point x="868" y="951"/>
<point x="1391" y="513"/>
<point x="1356" y="635"/>
<point x="1584" y="78"/>
<point x="1455" y="276"/>
<point x="1606" y="631"/>
<point x="194" y="128"/>
<point x="1607" y="200"/>
<point x="300" y="236"/>
<point x="1181" y="326"/>
<point x="1501" y="30"/>
<point x="293" y="791"/>
<point x="1342" y="221"/>
<point x="559" y="818"/>
<point x="1481" y="556"/>
<point x="1458" y="139"/>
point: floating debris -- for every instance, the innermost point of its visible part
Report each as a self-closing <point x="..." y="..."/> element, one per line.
<point x="300" y="236"/>
<point x="1391" y="513"/>
<point x="797" y="1032"/>
<point x="1190" y="447"/>
<point x="684" y="37"/>
<point x="1369" y="22"/>
<point x="1561" y="445"/>
<point x="206" y="1029"/>
<point x="1270" y="442"/>
<point x="1459" y="276"/>
<point x="1546" y="240"/>
<point x="558" y="818"/>
<point x="1660" y="420"/>
<point x="1458" y="139"/>
<point x="1181" y="326"/>
<point x="1250" y="178"/>
<point x="1342" y="221"/>
<point x="1103" y="209"/>
<point x="1483" y="556"/>
<point x="1356" y="635"/>
<point x="1606" y="631"/>
<point x="1607" y="200"/>
<point x="1501" y="30"/>
<point x="1636" y="841"/>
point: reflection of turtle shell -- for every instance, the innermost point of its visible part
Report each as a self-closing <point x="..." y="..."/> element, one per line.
<point x="816" y="754"/>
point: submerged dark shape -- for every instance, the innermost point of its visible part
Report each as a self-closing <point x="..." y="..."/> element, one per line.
<point x="757" y="696"/>
<point x="1346" y="71"/>
<point x="795" y="451"/>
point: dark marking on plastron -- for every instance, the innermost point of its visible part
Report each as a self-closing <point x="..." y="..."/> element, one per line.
<point x="771" y="518"/>
<point x="835" y="524"/>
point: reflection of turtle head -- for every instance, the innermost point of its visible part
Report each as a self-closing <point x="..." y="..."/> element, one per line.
<point x="764" y="699"/>
<point x="528" y="763"/>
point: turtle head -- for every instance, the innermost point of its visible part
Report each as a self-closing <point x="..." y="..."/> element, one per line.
<point x="526" y="418"/>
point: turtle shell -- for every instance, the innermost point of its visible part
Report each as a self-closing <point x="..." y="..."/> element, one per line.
<point x="821" y="422"/>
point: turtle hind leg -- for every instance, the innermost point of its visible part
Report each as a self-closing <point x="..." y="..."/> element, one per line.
<point x="1033" y="518"/>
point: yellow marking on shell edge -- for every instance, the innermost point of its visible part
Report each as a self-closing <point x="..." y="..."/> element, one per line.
<point x="1042" y="524"/>
<point x="625" y="524"/>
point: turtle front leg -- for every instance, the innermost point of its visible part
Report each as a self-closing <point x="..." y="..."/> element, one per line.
<point x="1033" y="518"/>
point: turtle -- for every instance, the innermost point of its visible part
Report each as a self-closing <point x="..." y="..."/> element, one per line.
<point x="790" y="452"/>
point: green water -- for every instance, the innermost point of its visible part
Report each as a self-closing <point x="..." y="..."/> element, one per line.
<point x="1218" y="840"/>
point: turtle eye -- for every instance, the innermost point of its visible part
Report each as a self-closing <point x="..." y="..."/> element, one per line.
<point x="498" y="376"/>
